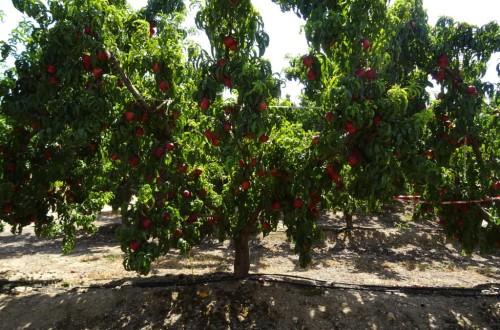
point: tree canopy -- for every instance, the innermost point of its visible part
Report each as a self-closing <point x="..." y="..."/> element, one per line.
<point x="110" y="105"/>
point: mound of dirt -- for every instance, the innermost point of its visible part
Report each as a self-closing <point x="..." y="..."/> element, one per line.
<point x="386" y="273"/>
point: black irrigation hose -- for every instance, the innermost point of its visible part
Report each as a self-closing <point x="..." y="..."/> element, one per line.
<point x="345" y="229"/>
<point x="300" y="282"/>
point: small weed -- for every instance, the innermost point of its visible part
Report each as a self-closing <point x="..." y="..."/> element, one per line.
<point x="401" y="225"/>
<point x="111" y="257"/>
<point x="88" y="259"/>
<point x="423" y="267"/>
<point x="486" y="271"/>
<point x="446" y="266"/>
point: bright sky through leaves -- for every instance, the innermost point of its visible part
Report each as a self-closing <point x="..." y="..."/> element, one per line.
<point x="284" y="29"/>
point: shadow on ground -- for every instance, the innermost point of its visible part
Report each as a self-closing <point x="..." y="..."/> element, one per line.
<point x="242" y="305"/>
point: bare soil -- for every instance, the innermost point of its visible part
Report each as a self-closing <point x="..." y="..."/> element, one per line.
<point x="386" y="273"/>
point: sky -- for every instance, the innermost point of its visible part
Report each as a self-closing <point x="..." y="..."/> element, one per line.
<point x="476" y="12"/>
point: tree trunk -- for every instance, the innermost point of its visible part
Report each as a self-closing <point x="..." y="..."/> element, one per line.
<point x="241" y="253"/>
<point x="348" y="220"/>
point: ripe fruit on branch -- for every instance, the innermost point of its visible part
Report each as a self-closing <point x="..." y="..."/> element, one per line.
<point x="53" y="80"/>
<point x="221" y="62"/>
<point x="87" y="63"/>
<point x="129" y="116"/>
<point x="197" y="172"/>
<point x="102" y="55"/>
<point x="440" y="75"/>
<point x="430" y="154"/>
<point x="159" y="152"/>
<point x="213" y="219"/>
<point x="273" y="171"/>
<point x="163" y="85"/>
<point x="329" y="169"/>
<point x="205" y="103"/>
<point x="86" y="58"/>
<point x="152" y="27"/>
<point x="276" y="206"/>
<point x="264" y="138"/>
<point x="297" y="203"/>
<point x="145" y="223"/>
<point x="87" y="30"/>
<point x="265" y="225"/>
<point x="365" y="43"/>
<point x="192" y="218"/>
<point x="315" y="139"/>
<point x="51" y="69"/>
<point x="329" y="116"/>
<point x="133" y="161"/>
<point x="353" y="160"/>
<point x="360" y="72"/>
<point x="442" y="61"/>
<point x="97" y="72"/>
<point x="175" y="114"/>
<point x="115" y="157"/>
<point x="335" y="176"/>
<point x="139" y="131"/>
<point x="134" y="245"/>
<point x="370" y="74"/>
<point x="208" y="134"/>
<point x="183" y="168"/>
<point x="311" y="74"/>
<point x="263" y="106"/>
<point x="471" y="90"/>
<point x="254" y="161"/>
<point x="169" y="146"/>
<point x="227" y="126"/>
<point x="349" y="127"/>
<point x="228" y="82"/>
<point x="186" y="194"/>
<point x="230" y="43"/>
<point x="307" y="60"/>
<point x="495" y="185"/>
<point x="156" y="67"/>
<point x="245" y="185"/>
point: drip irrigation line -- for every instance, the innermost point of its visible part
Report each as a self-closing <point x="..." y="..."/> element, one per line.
<point x="344" y="229"/>
<point x="429" y="290"/>
<point x="415" y="199"/>
<point x="489" y="290"/>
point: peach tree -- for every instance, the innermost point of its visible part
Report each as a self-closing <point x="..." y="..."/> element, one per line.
<point x="369" y="66"/>
<point x="108" y="105"/>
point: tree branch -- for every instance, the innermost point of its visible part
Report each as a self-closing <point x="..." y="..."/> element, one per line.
<point x="476" y="150"/>
<point x="484" y="214"/>
<point x="138" y="97"/>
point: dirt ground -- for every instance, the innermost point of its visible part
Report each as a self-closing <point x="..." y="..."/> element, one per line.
<point x="387" y="273"/>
